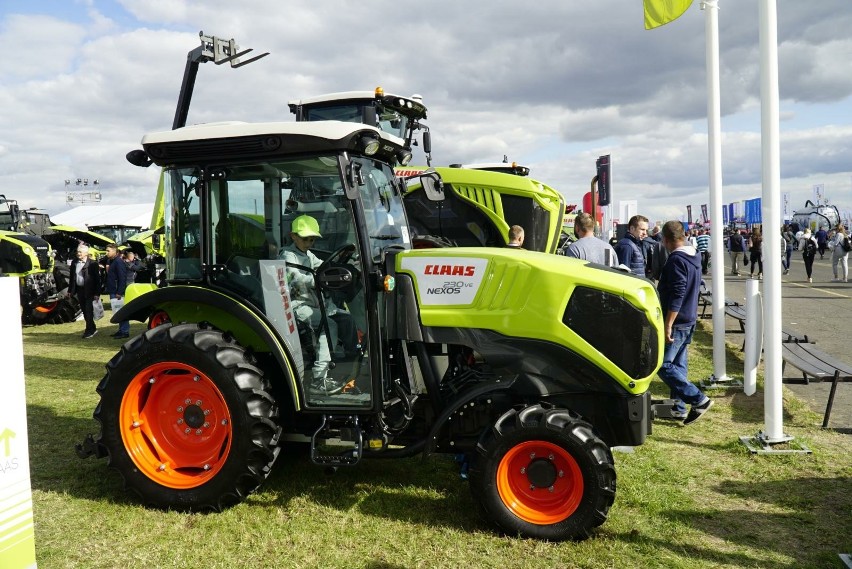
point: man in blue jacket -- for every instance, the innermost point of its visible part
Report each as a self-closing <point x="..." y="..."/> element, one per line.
<point x="678" y="288"/>
<point x="629" y="247"/>
<point x="116" y="283"/>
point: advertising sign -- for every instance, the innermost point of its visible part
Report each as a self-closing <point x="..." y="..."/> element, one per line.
<point x="753" y="212"/>
<point x="17" y="537"/>
<point x="604" y="180"/>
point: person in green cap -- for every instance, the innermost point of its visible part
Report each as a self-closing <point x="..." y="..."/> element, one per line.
<point x="304" y="231"/>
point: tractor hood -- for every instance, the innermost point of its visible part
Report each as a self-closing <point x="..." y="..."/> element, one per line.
<point x="607" y="316"/>
<point x="89" y="237"/>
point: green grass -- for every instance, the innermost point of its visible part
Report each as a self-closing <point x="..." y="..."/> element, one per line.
<point x="690" y="497"/>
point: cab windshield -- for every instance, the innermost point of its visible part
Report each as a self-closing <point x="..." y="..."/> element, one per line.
<point x="387" y="120"/>
<point x="386" y="223"/>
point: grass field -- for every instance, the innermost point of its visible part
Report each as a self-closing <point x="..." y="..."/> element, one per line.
<point x="690" y="497"/>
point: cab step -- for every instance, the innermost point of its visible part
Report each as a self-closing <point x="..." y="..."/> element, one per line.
<point x="338" y="441"/>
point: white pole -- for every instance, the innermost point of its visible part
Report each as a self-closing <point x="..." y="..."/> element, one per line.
<point x="753" y="336"/>
<point x="771" y="212"/>
<point x="714" y="140"/>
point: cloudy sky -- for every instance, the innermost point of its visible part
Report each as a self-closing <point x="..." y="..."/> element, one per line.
<point x="551" y="84"/>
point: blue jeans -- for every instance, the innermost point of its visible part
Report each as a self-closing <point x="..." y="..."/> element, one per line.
<point x="123" y="327"/>
<point x="674" y="370"/>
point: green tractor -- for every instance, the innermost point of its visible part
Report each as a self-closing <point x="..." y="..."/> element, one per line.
<point x="24" y="254"/>
<point x="529" y="366"/>
<point x="30" y="259"/>
<point x="481" y="205"/>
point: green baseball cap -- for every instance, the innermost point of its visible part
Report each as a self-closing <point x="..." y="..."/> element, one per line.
<point x="305" y="226"/>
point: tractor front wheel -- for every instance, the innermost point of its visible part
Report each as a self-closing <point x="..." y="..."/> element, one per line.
<point x="541" y="472"/>
<point x="187" y="419"/>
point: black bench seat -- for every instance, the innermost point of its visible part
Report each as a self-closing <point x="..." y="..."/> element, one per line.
<point x="817" y="365"/>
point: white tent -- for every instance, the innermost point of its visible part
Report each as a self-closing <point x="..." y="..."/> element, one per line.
<point x="81" y="217"/>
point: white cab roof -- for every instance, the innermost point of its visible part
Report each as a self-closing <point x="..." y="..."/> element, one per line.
<point x="331" y="130"/>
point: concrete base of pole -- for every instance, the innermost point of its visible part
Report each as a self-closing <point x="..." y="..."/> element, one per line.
<point x="761" y="444"/>
<point x="724" y="382"/>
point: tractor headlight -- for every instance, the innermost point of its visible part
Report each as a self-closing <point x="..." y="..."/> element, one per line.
<point x="370" y="144"/>
<point x="28" y="251"/>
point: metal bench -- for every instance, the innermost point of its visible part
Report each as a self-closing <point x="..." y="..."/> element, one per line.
<point x="736" y="311"/>
<point x="817" y="365"/>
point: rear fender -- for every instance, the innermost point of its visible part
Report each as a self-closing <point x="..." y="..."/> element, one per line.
<point x="189" y="303"/>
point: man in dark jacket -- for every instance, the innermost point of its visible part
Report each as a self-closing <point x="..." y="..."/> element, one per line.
<point x="736" y="247"/>
<point x="629" y="247"/>
<point x="655" y="254"/>
<point x="116" y="283"/>
<point x="85" y="284"/>
<point x="679" y="285"/>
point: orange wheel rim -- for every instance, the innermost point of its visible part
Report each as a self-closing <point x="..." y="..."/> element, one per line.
<point x="46" y="308"/>
<point x="175" y="425"/>
<point x="540" y="482"/>
<point x="157" y="319"/>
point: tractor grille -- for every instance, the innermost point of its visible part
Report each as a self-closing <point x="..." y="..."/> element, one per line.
<point x="39" y="246"/>
<point x="482" y="196"/>
<point x="614" y="327"/>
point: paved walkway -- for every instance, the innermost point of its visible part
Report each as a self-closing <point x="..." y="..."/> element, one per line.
<point x="823" y="311"/>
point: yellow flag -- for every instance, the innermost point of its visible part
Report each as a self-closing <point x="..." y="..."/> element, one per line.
<point x="661" y="12"/>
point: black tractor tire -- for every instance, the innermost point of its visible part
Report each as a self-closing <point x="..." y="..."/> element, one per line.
<point x="187" y="419"/>
<point x="541" y="472"/>
<point x="57" y="312"/>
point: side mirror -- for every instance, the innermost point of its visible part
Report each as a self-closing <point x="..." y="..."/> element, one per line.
<point x="427" y="142"/>
<point x="139" y="158"/>
<point x="433" y="185"/>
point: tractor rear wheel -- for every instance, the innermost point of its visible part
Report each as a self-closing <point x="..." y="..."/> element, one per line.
<point x="187" y="418"/>
<point x="56" y="312"/>
<point x="541" y="472"/>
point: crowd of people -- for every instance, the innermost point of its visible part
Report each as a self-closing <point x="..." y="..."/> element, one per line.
<point x="118" y="270"/>
<point x="748" y="246"/>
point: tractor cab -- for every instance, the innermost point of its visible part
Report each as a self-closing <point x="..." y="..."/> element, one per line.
<point x="238" y="227"/>
<point x="395" y="115"/>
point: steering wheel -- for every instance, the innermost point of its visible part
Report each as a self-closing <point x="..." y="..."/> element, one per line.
<point x="348" y="250"/>
<point x="343" y="272"/>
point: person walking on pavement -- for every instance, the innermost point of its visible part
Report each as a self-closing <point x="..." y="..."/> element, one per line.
<point x="629" y="247"/>
<point x="840" y="247"/>
<point x="85" y="284"/>
<point x="822" y="240"/>
<point x="808" y="246"/>
<point x="680" y="283"/>
<point x="789" y="239"/>
<point x="116" y="283"/>
<point x="703" y="246"/>
<point x="755" y="251"/>
<point x="736" y="247"/>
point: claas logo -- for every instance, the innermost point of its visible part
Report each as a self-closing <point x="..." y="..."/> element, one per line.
<point x="450" y="270"/>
